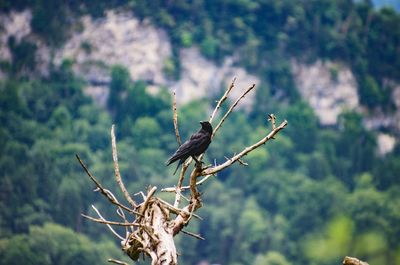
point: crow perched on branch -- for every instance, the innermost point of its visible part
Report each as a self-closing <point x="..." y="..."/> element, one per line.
<point x="195" y="146"/>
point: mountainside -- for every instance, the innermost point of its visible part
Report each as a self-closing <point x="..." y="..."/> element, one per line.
<point x="145" y="50"/>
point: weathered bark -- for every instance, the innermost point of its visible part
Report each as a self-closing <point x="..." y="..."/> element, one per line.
<point x="162" y="251"/>
<point x="154" y="236"/>
<point x="353" y="261"/>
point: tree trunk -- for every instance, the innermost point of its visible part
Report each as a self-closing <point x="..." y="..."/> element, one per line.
<point x="154" y="236"/>
<point x="165" y="251"/>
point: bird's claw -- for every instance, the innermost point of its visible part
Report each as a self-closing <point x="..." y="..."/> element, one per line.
<point x="199" y="164"/>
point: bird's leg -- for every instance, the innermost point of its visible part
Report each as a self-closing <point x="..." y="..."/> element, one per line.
<point x="198" y="163"/>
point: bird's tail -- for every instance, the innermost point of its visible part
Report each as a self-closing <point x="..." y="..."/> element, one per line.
<point x="179" y="163"/>
<point x="171" y="160"/>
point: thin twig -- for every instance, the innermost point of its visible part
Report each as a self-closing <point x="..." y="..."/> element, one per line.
<point x="109" y="222"/>
<point x="178" y="193"/>
<point x="116" y="169"/>
<point x="117" y="262"/>
<point x="239" y="160"/>
<point x="184" y="168"/>
<point x="223" y="98"/>
<point x="177" y="210"/>
<point x="148" y="197"/>
<point x="186" y="199"/>
<point x="109" y="226"/>
<point x="102" y="190"/>
<point x="179" y="185"/>
<point x="122" y="215"/>
<point x="193" y="234"/>
<point x="175" y="117"/>
<point x="198" y="183"/>
<point x="272" y="119"/>
<point x="119" y="209"/>
<point x="140" y="193"/>
<point x="232" y="160"/>
<point x="196" y="204"/>
<point x="242" y="162"/>
<point x="231" y="109"/>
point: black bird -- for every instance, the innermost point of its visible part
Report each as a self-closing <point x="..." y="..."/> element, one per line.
<point x="195" y="146"/>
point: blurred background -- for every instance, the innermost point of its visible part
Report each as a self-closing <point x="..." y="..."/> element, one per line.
<point x="327" y="187"/>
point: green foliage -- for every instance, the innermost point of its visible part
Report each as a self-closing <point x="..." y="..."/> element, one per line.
<point x="50" y="21"/>
<point x="266" y="34"/>
<point x="334" y="244"/>
<point x="341" y="237"/>
<point x="120" y="81"/>
<point x="54" y="244"/>
<point x="271" y="258"/>
<point x="356" y="148"/>
<point x="23" y="55"/>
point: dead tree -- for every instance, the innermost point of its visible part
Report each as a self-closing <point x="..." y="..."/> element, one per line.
<point x="152" y="224"/>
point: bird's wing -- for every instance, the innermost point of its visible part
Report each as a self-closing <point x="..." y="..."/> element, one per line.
<point x="180" y="153"/>
<point x="188" y="147"/>
<point x="196" y="136"/>
<point x="197" y="142"/>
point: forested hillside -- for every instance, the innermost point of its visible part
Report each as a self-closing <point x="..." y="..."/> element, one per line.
<point x="312" y="196"/>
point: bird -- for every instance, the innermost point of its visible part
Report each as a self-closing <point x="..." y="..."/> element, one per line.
<point x="195" y="146"/>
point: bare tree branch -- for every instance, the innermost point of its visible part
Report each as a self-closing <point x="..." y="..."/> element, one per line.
<point x="101" y="221"/>
<point x="178" y="138"/>
<point x="108" y="225"/>
<point x="175" y="118"/>
<point x="198" y="183"/>
<point x="232" y="160"/>
<point x="116" y="169"/>
<point x="117" y="262"/>
<point x="175" y="210"/>
<point x="148" y="197"/>
<point x="102" y="190"/>
<point x="178" y="193"/>
<point x="193" y="234"/>
<point x="178" y="188"/>
<point x="223" y="98"/>
<point x="231" y="109"/>
<point x="272" y="119"/>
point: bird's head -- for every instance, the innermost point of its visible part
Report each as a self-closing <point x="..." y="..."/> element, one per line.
<point x="205" y="125"/>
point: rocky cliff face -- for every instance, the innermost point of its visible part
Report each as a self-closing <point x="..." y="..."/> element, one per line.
<point x="202" y="78"/>
<point x="328" y="87"/>
<point x="117" y="39"/>
<point x="15" y="24"/>
<point x="120" y="38"/>
<point x="143" y="49"/>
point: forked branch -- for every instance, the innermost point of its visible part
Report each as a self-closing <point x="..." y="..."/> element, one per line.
<point x="231" y="109"/>
<point x="175" y="118"/>
<point x="245" y="151"/>
<point x="116" y="170"/>
<point x="222" y="100"/>
<point x="102" y="190"/>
